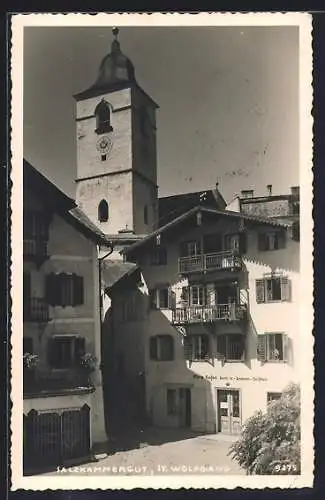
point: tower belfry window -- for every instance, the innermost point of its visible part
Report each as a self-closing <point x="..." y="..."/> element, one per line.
<point x="103" y="211"/>
<point x="103" y="118"/>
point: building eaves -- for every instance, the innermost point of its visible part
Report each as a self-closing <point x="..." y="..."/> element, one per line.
<point x="222" y="213"/>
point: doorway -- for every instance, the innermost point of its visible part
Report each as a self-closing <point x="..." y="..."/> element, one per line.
<point x="229" y="411"/>
<point x="179" y="406"/>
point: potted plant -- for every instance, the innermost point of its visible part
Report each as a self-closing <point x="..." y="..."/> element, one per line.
<point x="30" y="362"/>
<point x="88" y="364"/>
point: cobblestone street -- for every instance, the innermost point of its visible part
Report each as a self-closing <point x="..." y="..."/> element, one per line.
<point x="164" y="452"/>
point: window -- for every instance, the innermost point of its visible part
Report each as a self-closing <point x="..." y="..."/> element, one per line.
<point x="272" y="347"/>
<point x="36" y="225"/>
<point x="145" y="214"/>
<point x="103" y="211"/>
<point x="231" y="347"/>
<point x="158" y="256"/>
<point x="64" y="289"/>
<point x="273" y="289"/>
<point x="197" y="295"/>
<point x="190" y="248"/>
<point x="162" y="298"/>
<point x="162" y="348"/>
<point x="27" y="345"/>
<point x="103" y="118"/>
<point x="271" y="241"/>
<point x="103" y="157"/>
<point x="171" y="402"/>
<point x="295" y="231"/>
<point x="65" y="351"/>
<point x="196" y="347"/>
<point x="273" y="396"/>
<point x="236" y="243"/>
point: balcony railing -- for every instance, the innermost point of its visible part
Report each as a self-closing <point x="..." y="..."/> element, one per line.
<point x="36" y="310"/>
<point x="35" y="249"/>
<point x="209" y="262"/>
<point x="208" y="314"/>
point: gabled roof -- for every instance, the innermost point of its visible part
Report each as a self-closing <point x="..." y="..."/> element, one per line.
<point x="204" y="210"/>
<point x="113" y="271"/>
<point x="58" y="202"/>
<point x="171" y="207"/>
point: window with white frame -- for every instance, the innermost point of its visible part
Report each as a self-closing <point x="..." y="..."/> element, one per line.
<point x="196" y="347"/>
<point x="273" y="288"/>
<point x="162" y="348"/>
<point x="190" y="248"/>
<point x="64" y="289"/>
<point x="272" y="347"/>
<point x="197" y="295"/>
<point x="162" y="297"/>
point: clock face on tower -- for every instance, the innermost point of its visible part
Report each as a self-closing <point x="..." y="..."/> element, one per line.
<point x="104" y="145"/>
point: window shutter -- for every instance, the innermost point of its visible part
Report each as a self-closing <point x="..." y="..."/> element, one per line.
<point x="221" y="347"/>
<point x="261" y="348"/>
<point x="50" y="282"/>
<point x="262" y="238"/>
<point x="211" y="295"/>
<point x="242" y="243"/>
<point x="153" y="298"/>
<point x="185" y="294"/>
<point x="285" y="343"/>
<point x="52" y="352"/>
<point x="78" y="290"/>
<point x="260" y="291"/>
<point x="282" y="239"/>
<point x="285" y="288"/>
<point x="79" y="348"/>
<point x="183" y="249"/>
<point x="153" y="348"/>
<point x="187" y="348"/>
<point x="171" y="299"/>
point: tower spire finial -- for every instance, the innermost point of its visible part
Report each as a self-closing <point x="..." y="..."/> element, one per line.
<point x="115" y="32"/>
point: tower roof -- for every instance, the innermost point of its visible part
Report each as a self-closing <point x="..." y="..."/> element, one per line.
<point x="115" y="71"/>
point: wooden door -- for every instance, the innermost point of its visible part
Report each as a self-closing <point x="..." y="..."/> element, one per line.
<point x="229" y="411"/>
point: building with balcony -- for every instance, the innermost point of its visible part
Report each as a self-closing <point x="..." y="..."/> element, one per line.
<point x="63" y="401"/>
<point x="206" y="322"/>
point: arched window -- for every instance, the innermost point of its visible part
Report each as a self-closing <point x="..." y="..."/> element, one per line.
<point x="145" y="214"/>
<point x="103" y="118"/>
<point x="103" y="211"/>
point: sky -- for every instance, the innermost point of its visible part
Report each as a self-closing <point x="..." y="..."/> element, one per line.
<point x="228" y="102"/>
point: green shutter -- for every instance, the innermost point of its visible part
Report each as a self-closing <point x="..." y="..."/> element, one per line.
<point x="260" y="291"/>
<point x="282" y="239"/>
<point x="187" y="348"/>
<point x="50" y="283"/>
<point x="285" y="288"/>
<point x="52" y="352"/>
<point x="221" y="347"/>
<point x="261" y="348"/>
<point x="262" y="242"/>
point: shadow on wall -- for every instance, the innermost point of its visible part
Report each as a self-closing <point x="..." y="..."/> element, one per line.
<point x="180" y="401"/>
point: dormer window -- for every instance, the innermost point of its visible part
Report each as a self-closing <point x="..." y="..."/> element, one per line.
<point x="103" y="211"/>
<point x="103" y="118"/>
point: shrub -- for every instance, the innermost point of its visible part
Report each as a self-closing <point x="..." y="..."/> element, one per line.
<point x="270" y="442"/>
<point x="30" y="361"/>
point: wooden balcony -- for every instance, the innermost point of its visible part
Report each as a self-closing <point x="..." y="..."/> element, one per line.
<point x="210" y="262"/>
<point x="36" y="310"/>
<point x="209" y="314"/>
<point x="35" y="250"/>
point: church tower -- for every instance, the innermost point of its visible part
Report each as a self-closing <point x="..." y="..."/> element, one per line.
<point x="116" y="149"/>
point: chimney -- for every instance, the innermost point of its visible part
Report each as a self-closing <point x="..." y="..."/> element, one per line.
<point x="295" y="190"/>
<point x="269" y="189"/>
<point x="247" y="193"/>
